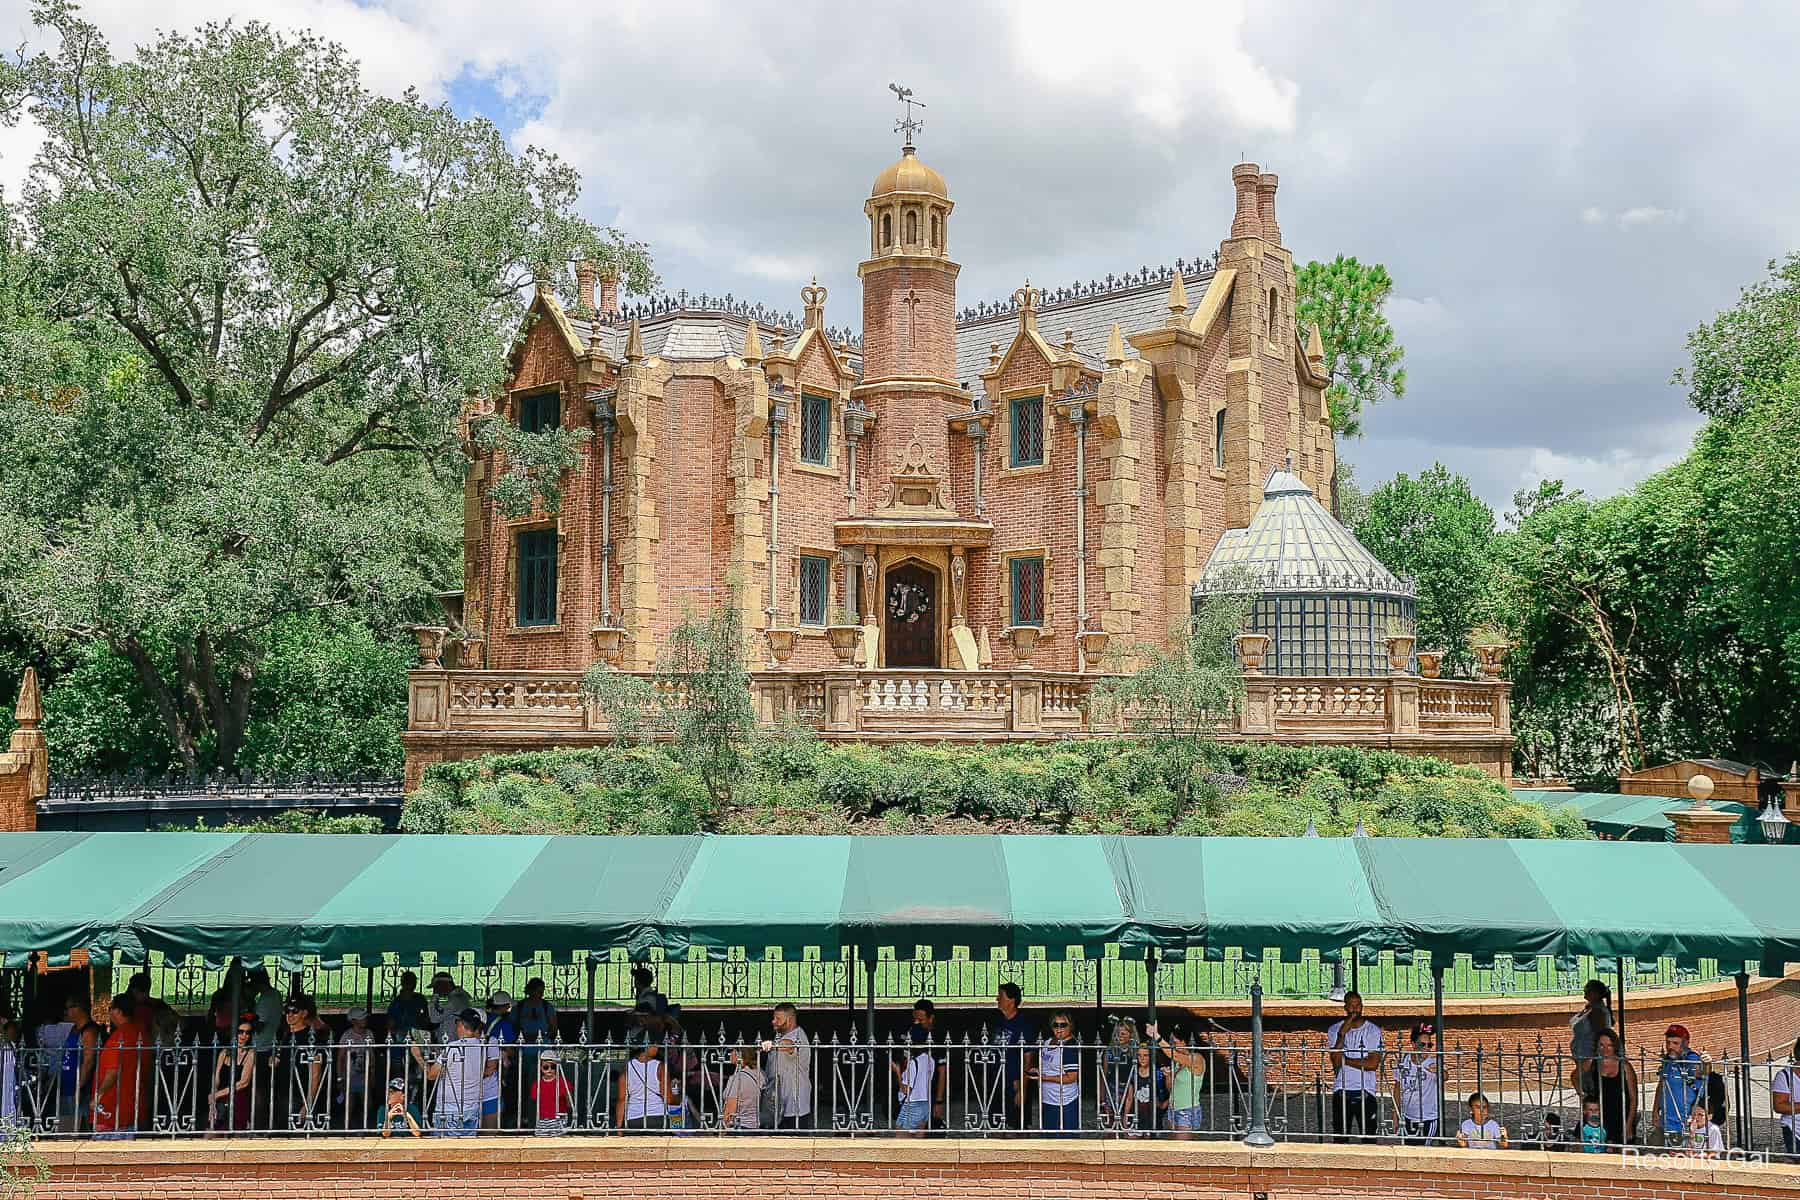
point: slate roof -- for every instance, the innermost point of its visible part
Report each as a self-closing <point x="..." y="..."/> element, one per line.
<point x="1294" y="545"/>
<point x="1091" y="316"/>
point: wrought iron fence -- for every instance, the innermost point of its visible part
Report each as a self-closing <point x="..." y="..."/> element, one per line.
<point x="1093" y="982"/>
<point x="1057" y="1072"/>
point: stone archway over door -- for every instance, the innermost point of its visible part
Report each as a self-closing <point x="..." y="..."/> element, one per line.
<point x="910" y="616"/>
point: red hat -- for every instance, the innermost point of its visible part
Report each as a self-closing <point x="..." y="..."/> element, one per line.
<point x="1679" y="1031"/>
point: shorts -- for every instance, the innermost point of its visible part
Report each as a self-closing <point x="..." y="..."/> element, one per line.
<point x="1185" y="1118"/>
<point x="914" y="1114"/>
<point x="552" y="1126"/>
<point x="456" y="1125"/>
<point x="491" y="1108"/>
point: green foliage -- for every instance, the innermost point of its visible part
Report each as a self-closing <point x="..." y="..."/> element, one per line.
<point x="1346" y="299"/>
<point x="1435" y="529"/>
<point x="292" y="821"/>
<point x="242" y="303"/>
<point x="1749" y="352"/>
<point x="700" y="699"/>
<point x="1181" y="695"/>
<point x="330" y="698"/>
<point x="22" y="1167"/>
<point x="797" y="784"/>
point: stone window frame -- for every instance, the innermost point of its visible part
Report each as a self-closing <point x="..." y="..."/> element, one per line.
<point x="1003" y="422"/>
<point x="800" y="561"/>
<point x="1005" y="592"/>
<point x="559" y="540"/>
<point x="829" y="464"/>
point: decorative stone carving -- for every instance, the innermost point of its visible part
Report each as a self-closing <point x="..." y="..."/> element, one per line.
<point x="609" y="643"/>
<point x="1024" y="640"/>
<point x="1399" y="652"/>
<point x="781" y="643"/>
<point x="431" y="645"/>
<point x="1492" y="659"/>
<point x="1431" y="663"/>
<point x="1093" y="645"/>
<point x="1252" y="648"/>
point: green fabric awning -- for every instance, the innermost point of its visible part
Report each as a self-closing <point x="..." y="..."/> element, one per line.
<point x="292" y="895"/>
<point x="1640" y="818"/>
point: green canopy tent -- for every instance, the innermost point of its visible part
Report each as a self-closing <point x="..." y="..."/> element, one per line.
<point x="1639" y="818"/>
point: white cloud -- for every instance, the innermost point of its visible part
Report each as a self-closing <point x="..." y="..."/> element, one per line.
<point x="1640" y="217"/>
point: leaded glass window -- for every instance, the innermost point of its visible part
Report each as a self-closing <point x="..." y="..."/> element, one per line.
<point x="1027" y="591"/>
<point x="1028" y="431"/>
<point x="537" y="577"/>
<point x="815" y="429"/>
<point x="540" y="411"/>
<point x="815" y="588"/>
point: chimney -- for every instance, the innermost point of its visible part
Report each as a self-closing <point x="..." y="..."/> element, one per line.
<point x="585" y="273"/>
<point x="1265" y="207"/>
<point x="609" y="293"/>
<point x="1247" y="222"/>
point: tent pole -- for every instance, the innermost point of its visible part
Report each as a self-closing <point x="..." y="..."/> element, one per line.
<point x="1743" y="993"/>
<point x="1621" y="991"/>
<point x="236" y="973"/>
<point x="1099" y="990"/>
<point x="1150" y="981"/>
<point x="593" y="966"/>
<point x="869" y="999"/>
<point x="1257" y="1135"/>
<point x="1437" y="1010"/>
<point x="850" y="983"/>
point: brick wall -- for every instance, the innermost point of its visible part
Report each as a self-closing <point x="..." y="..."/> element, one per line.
<point x="654" y="1167"/>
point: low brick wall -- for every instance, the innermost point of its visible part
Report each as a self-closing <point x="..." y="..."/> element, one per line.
<point x="749" y="1168"/>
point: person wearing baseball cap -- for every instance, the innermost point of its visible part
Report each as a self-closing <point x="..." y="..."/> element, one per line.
<point x="501" y="1036"/>
<point x="1679" y="1082"/>
<point x="445" y="1002"/>
<point x="400" y="1116"/>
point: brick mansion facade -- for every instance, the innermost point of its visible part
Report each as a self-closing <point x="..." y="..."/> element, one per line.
<point x="942" y="527"/>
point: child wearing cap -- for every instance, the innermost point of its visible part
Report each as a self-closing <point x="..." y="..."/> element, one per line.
<point x="399" y="1116"/>
<point x="552" y="1100"/>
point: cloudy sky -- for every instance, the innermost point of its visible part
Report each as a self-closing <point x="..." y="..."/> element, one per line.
<point x="1560" y="191"/>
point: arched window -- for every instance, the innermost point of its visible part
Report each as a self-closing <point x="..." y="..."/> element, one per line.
<point x="1219" y="439"/>
<point x="912" y="226"/>
<point x="1274" y="312"/>
<point x="887" y="230"/>
<point x="937" y="232"/>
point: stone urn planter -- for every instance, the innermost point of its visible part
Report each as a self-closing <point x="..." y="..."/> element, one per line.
<point x="1252" y="648"/>
<point x="781" y="643"/>
<point x="1399" y="652"/>
<point x="431" y="645"/>
<point x="1024" y="639"/>
<point x="609" y="643"/>
<point x="1431" y="663"/>
<point x="1491" y="658"/>
<point x="1093" y="645"/>
<point x="844" y="640"/>
<point x="470" y="650"/>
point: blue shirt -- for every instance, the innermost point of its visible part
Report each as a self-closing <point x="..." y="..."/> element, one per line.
<point x="1681" y="1084"/>
<point x="406" y="1014"/>
<point x="1015" y="1030"/>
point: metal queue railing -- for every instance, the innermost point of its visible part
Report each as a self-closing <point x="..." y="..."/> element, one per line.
<point x="1070" y="1075"/>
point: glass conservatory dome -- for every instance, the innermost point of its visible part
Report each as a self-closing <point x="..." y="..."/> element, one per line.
<point x="1326" y="604"/>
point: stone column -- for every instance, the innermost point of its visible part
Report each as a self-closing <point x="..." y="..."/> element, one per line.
<point x="1703" y="825"/>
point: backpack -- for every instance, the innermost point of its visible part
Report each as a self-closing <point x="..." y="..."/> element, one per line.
<point x="1715" y="1098"/>
<point x="768" y="1103"/>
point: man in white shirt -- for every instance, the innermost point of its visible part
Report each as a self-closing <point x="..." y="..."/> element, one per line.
<point x="1354" y="1047"/>
<point x="457" y="1072"/>
<point x="446" y="1002"/>
<point x="1784" y="1094"/>
<point x="790" y="1068"/>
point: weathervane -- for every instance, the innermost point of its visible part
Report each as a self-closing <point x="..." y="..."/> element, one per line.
<point x="909" y="125"/>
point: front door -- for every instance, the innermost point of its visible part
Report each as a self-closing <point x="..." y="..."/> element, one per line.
<point x="911" y="614"/>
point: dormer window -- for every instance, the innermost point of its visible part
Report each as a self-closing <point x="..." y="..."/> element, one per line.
<point x="540" y="411"/>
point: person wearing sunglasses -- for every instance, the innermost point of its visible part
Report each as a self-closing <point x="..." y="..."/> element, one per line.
<point x="1058" y="1073"/>
<point x="230" y="1107"/>
<point x="551" y="1098"/>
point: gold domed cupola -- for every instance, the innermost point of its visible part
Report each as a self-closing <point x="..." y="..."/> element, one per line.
<point x="909" y="175"/>
<point x="909" y="206"/>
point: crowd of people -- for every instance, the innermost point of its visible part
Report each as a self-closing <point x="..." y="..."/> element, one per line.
<point x="440" y="1064"/>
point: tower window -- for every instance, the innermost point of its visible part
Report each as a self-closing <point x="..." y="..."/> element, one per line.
<point x="1219" y="439"/>
<point x="887" y="230"/>
<point x="1028" y="431"/>
<point x="815" y="429"/>
<point x="540" y="411"/>
<point x="815" y="587"/>
<point x="912" y="227"/>
<point x="1027" y="591"/>
<point x="537" y="577"/>
<point x="1274" y="312"/>
<point x="937" y="232"/>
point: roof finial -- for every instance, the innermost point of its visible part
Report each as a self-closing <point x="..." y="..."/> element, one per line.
<point x="1115" y="347"/>
<point x="909" y="124"/>
<point x="634" y="343"/>
<point x="1178" y="301"/>
<point x="753" y="347"/>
